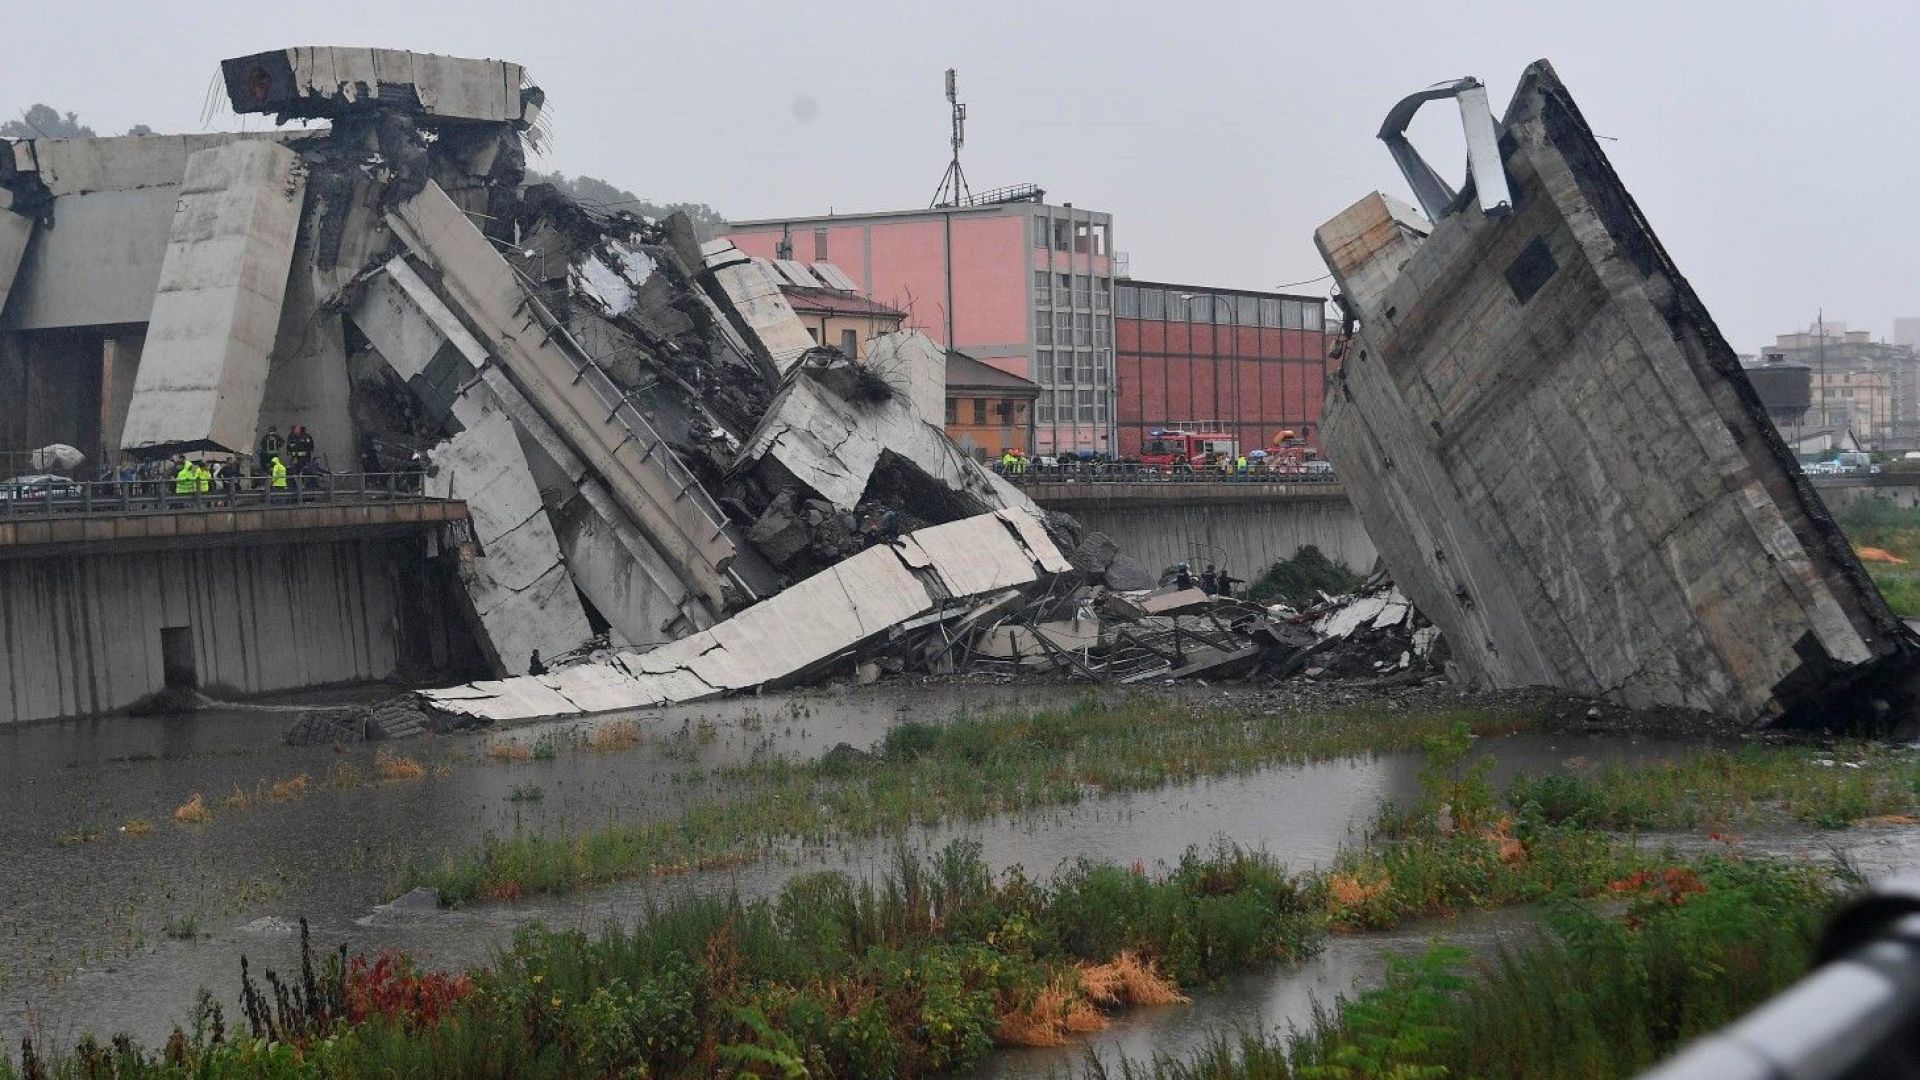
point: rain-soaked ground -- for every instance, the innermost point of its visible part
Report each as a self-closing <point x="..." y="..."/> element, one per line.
<point x="107" y="931"/>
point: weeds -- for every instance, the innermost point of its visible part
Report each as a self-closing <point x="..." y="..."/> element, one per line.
<point x="193" y="812"/>
<point x="85" y="834"/>
<point x="611" y="738"/>
<point x="1600" y="993"/>
<point x="395" y="767"/>
<point x="508" y="751"/>
<point x="921" y="774"/>
<point x="137" y="827"/>
<point x="1716" y="788"/>
<point x="293" y="787"/>
<point x="527" y="793"/>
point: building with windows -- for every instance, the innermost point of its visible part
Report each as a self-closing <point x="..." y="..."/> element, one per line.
<point x="1018" y="284"/>
<point x="1196" y="358"/>
<point x="989" y="411"/>
<point x="1871" y="387"/>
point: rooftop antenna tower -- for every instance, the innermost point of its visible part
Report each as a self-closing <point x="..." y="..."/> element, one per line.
<point x="953" y="190"/>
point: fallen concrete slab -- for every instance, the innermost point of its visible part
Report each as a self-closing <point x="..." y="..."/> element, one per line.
<point x="203" y="369"/>
<point x="1561" y="462"/>
<point x="764" y="314"/>
<point x="816" y="624"/>
<point x="625" y="577"/>
<point x="593" y="415"/>
<point x="832" y="443"/>
<point x="519" y="585"/>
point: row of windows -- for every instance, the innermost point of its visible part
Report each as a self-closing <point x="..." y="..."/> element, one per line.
<point x="1062" y="234"/>
<point x="1071" y="328"/>
<point x="1148" y="302"/>
<point x="1086" y="367"/>
<point x="1071" y="406"/>
<point x="1071" y="290"/>
<point x="1003" y="412"/>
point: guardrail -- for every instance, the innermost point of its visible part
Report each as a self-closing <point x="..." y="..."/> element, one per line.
<point x="159" y="496"/>
<point x="1855" y="1016"/>
<point x="1117" y="473"/>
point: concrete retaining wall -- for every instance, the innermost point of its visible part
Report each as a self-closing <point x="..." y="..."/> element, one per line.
<point x="81" y="634"/>
<point x="1244" y="536"/>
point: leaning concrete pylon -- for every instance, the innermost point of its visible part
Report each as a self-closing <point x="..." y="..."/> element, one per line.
<point x="203" y="371"/>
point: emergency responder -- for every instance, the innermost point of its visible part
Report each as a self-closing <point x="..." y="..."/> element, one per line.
<point x="271" y="446"/>
<point x="278" y="470"/>
<point x="300" y="449"/>
<point x="1209" y="581"/>
<point x="186" y="480"/>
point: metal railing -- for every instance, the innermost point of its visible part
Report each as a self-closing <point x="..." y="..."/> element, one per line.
<point x="1130" y="473"/>
<point x="155" y="495"/>
<point x="1855" y="1016"/>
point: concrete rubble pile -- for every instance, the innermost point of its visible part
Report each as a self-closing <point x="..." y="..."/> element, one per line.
<point x="653" y="452"/>
<point x="1558" y="455"/>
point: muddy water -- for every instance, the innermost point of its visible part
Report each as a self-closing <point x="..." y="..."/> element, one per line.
<point x="118" y="933"/>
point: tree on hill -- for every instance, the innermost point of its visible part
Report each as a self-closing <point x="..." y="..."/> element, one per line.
<point x="596" y="193"/>
<point x="43" y="121"/>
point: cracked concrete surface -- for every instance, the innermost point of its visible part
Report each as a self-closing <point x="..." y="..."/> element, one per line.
<point x="811" y="627"/>
<point x="1563" y="465"/>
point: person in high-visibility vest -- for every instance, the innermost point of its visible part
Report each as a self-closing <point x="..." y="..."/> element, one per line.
<point x="203" y="478"/>
<point x="1242" y="463"/>
<point x="187" y="480"/>
<point x="279" y="470"/>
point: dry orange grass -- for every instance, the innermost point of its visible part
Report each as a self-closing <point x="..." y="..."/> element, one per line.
<point x="194" y="811"/>
<point x="1879" y="555"/>
<point x="624" y="735"/>
<point x="1127" y="980"/>
<point x="291" y="788"/>
<point x="395" y="767"/>
<point x="509" y="751"/>
<point x="137" y="827"/>
<point x="1346" y="890"/>
<point x="1051" y="1019"/>
<point x="239" y="800"/>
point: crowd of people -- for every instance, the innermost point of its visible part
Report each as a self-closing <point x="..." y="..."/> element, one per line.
<point x="281" y="466"/>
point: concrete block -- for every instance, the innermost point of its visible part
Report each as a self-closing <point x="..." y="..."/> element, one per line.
<point x="1562" y="464"/>
<point x="832" y="446"/>
<point x="795" y="635"/>
<point x="217" y="310"/>
<point x="916" y="367"/>
<point x="609" y="435"/>
<point x="519" y="585"/>
<point x="99" y="265"/>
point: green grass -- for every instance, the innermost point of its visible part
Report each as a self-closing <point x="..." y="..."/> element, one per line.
<point x="929" y="968"/>
<point x="1878" y="523"/>
<point x="1830" y="787"/>
<point x="922" y="774"/>
<point x="1603" y="992"/>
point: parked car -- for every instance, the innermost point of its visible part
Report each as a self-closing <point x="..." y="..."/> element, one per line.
<point x="37" y="486"/>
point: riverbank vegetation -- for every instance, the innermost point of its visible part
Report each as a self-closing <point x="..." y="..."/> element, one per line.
<point x="922" y="774"/>
<point x="1887" y="539"/>
<point x="1611" y="986"/>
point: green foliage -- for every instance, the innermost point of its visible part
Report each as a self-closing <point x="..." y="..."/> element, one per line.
<point x="1876" y="522"/>
<point x="1601" y="992"/>
<point x="970" y="768"/>
<point x="1300" y="580"/>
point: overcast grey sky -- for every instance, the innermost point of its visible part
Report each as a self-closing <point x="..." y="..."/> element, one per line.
<point x="1773" y="145"/>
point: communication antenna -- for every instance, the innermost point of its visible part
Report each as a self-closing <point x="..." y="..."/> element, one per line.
<point x="953" y="190"/>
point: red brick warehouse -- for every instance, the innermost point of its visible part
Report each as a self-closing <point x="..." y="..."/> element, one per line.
<point x="1244" y="362"/>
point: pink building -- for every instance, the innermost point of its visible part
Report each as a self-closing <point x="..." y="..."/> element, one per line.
<point x="1021" y="285"/>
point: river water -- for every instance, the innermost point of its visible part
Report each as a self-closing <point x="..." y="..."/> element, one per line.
<point x="108" y="931"/>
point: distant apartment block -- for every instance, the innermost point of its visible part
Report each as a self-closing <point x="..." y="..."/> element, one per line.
<point x="1020" y="285"/>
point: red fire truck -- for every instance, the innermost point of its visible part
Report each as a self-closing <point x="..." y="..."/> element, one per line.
<point x="1178" y="451"/>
